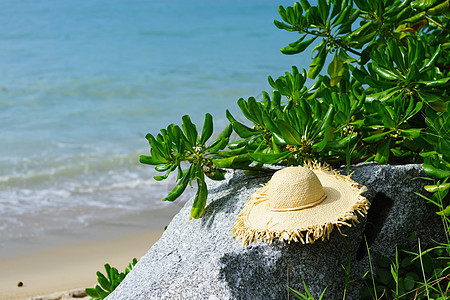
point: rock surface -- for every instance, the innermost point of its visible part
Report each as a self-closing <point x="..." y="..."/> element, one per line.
<point x="199" y="259"/>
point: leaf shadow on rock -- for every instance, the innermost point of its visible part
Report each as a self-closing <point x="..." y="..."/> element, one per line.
<point x="232" y="192"/>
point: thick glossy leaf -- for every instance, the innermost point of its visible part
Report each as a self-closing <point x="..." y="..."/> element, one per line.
<point x="207" y="129"/>
<point x="305" y="4"/>
<point x="376" y="137"/>
<point x="281" y="25"/>
<point x="221" y="141"/>
<point x="228" y="161"/>
<point x="318" y="62"/>
<point x="415" y="18"/>
<point x="200" y="199"/>
<point x="180" y="187"/>
<point x="344" y="15"/>
<point x="385" y="73"/>
<point x="91" y="292"/>
<point x="233" y="152"/>
<point x="327" y="119"/>
<point x="382" y="155"/>
<point x="434" y="171"/>
<point x="432" y="60"/>
<point x="190" y="130"/>
<point x="434" y="83"/>
<point x="269" y="123"/>
<point x="255" y="110"/>
<point x="413" y="74"/>
<point x="244" y="131"/>
<point x="163" y="167"/>
<point x="245" y="110"/>
<point x="434" y="101"/>
<point x="278" y="139"/>
<point x="345" y="58"/>
<point x="445" y="212"/>
<point x="269" y="158"/>
<point x="289" y="134"/>
<point x="150" y="160"/>
<point x="216" y="174"/>
<point x="298" y="46"/>
<point x="423" y="4"/>
<point x="411" y="133"/>
<point x="160" y="178"/>
<point x="439" y="9"/>
<point x="336" y="69"/>
<point x="437" y="188"/>
<point x="383" y="95"/>
<point x="323" y="10"/>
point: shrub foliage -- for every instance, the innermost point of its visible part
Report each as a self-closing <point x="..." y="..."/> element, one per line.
<point x="383" y="97"/>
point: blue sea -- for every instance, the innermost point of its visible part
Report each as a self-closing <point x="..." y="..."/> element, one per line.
<point x="83" y="82"/>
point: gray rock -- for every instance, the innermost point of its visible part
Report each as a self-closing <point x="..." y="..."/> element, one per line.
<point x="199" y="259"/>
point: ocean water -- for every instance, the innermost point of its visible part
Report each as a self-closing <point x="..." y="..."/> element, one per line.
<point x="82" y="82"/>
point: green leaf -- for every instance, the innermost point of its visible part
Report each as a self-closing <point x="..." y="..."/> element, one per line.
<point x="200" y="199"/>
<point x="190" y="130"/>
<point x="383" y="95"/>
<point x="207" y="128"/>
<point x="413" y="74"/>
<point x="437" y="188"/>
<point x="423" y="4"/>
<point x="345" y="58"/>
<point x="323" y="10"/>
<point x="385" y="73"/>
<point x="336" y="69"/>
<point x="318" y="62"/>
<point x="434" y="171"/>
<point x="105" y="284"/>
<point x="382" y="155"/>
<point x="216" y="174"/>
<point x="445" y="212"/>
<point x="244" y="131"/>
<point x="434" y="83"/>
<point x="160" y="178"/>
<point x="344" y="15"/>
<point x="269" y="158"/>
<point x="233" y="152"/>
<point x="245" y="110"/>
<point x="289" y="134"/>
<point x="269" y="123"/>
<point x="150" y="160"/>
<point x="376" y="137"/>
<point x="180" y="187"/>
<point x="432" y="60"/>
<point x="434" y="101"/>
<point x="229" y="161"/>
<point x="411" y="133"/>
<point x="305" y="4"/>
<point x="92" y="293"/>
<point x="298" y="46"/>
<point x="439" y="9"/>
<point x="221" y="141"/>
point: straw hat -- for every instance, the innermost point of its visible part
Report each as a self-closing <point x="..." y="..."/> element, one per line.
<point x="301" y="204"/>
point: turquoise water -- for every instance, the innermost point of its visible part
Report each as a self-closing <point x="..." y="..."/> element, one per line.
<point x="82" y="82"/>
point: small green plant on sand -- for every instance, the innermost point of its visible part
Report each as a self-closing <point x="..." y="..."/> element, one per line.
<point x="108" y="283"/>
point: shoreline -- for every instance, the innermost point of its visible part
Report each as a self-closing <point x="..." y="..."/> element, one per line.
<point x="70" y="267"/>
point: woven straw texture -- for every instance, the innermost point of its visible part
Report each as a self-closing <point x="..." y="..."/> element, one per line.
<point x="296" y="205"/>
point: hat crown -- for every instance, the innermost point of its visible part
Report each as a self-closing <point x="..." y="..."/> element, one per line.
<point x="294" y="188"/>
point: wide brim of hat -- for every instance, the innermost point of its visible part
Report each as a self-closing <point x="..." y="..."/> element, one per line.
<point x="344" y="201"/>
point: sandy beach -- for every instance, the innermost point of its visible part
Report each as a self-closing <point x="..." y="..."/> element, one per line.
<point x="69" y="267"/>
